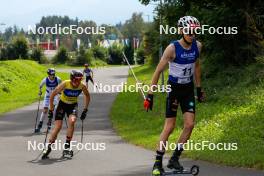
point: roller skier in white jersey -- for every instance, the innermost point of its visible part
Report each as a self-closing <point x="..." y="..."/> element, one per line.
<point x="51" y="82"/>
<point x="184" y="69"/>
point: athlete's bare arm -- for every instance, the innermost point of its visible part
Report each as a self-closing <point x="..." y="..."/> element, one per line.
<point x="197" y="72"/>
<point x="56" y="91"/>
<point x="168" y="55"/>
<point x="86" y="96"/>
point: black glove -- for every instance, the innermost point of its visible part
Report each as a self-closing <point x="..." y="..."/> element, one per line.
<point x="148" y="102"/>
<point x="50" y="116"/>
<point x="40" y="93"/>
<point x="200" y="94"/>
<point x="83" y="116"/>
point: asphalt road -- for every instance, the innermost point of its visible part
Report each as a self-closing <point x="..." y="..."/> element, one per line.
<point x="118" y="158"/>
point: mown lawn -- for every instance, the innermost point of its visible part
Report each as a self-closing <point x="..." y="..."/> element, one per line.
<point x="233" y="113"/>
<point x="19" y="83"/>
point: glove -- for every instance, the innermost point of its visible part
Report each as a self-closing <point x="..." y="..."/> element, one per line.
<point x="40" y="93"/>
<point x="83" y="116"/>
<point x="200" y="95"/>
<point x="50" y="116"/>
<point x="148" y="102"/>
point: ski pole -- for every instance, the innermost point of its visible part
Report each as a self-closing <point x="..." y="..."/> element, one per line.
<point x="66" y="122"/>
<point x="133" y="75"/>
<point x="47" y="131"/>
<point x="82" y="133"/>
<point x="37" y="113"/>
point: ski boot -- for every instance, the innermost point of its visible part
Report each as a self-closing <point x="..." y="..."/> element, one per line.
<point x="174" y="164"/>
<point x="37" y="130"/>
<point x="157" y="168"/>
<point x="46" y="152"/>
<point x="67" y="152"/>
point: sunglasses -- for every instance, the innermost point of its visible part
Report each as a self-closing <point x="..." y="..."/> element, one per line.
<point x="77" y="79"/>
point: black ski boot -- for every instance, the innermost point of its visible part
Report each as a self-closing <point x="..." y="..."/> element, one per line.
<point x="46" y="152"/>
<point x="67" y="152"/>
<point x="175" y="164"/>
<point x="39" y="127"/>
<point x="157" y="168"/>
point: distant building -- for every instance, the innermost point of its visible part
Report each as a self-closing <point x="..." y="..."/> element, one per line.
<point x="44" y="45"/>
<point x="49" y="48"/>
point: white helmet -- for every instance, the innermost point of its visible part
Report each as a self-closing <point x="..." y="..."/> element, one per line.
<point x="188" y="22"/>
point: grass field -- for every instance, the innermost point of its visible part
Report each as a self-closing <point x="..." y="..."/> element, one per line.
<point x="19" y="83"/>
<point x="233" y="113"/>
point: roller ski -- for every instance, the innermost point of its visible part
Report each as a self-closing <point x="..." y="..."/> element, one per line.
<point x="194" y="170"/>
<point x="177" y="168"/>
<point x="67" y="153"/>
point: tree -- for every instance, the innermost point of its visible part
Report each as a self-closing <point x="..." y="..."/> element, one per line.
<point x="83" y="56"/>
<point x="225" y="49"/>
<point x="100" y="52"/>
<point x="20" y="46"/>
<point x="115" y="54"/>
<point x="61" y="56"/>
<point x="133" y="28"/>
<point x="37" y="54"/>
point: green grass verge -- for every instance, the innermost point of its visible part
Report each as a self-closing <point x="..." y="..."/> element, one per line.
<point x="19" y="82"/>
<point x="233" y="113"/>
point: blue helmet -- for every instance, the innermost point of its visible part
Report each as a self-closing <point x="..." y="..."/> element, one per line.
<point x="51" y="71"/>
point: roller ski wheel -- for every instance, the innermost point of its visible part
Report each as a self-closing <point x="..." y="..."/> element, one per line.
<point x="194" y="170"/>
<point x="67" y="153"/>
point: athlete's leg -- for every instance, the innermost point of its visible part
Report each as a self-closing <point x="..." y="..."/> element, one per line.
<point x="71" y="123"/>
<point x="188" y="110"/>
<point x="166" y="132"/>
<point x="92" y="80"/>
<point x="188" y="127"/>
<point x="53" y="137"/>
<point x="44" y="113"/>
<point x="171" y="111"/>
<point x="86" y="81"/>
<point x="55" y="131"/>
<point x="59" y="114"/>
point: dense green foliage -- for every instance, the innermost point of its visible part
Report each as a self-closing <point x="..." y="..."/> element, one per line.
<point x="115" y="54"/>
<point x="17" y="49"/>
<point x="62" y="56"/>
<point x="236" y="49"/>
